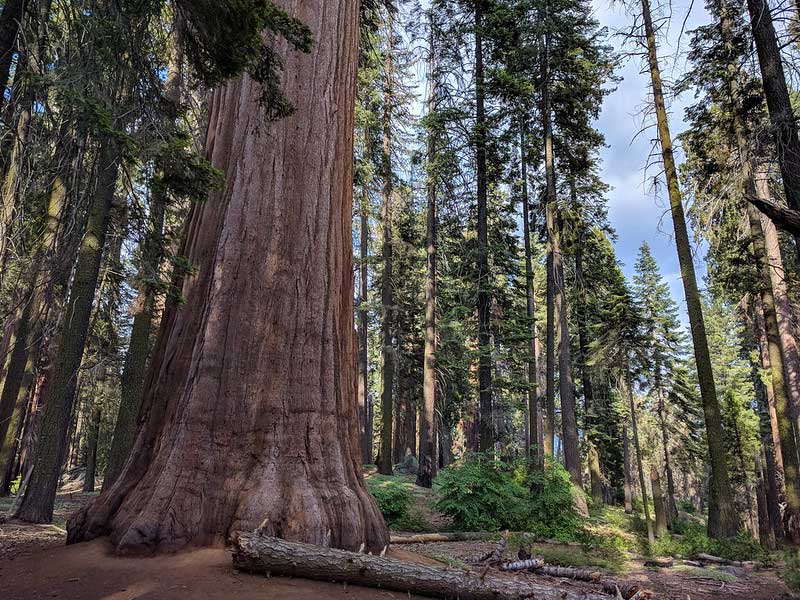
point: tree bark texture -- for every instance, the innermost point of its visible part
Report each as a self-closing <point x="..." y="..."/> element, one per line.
<point x="364" y="401"/>
<point x="659" y="506"/>
<point x="388" y="347"/>
<point x="486" y="431"/>
<point x="779" y="105"/>
<point x="37" y="503"/>
<point x="723" y="520"/>
<point x="427" y="421"/>
<point x="639" y="462"/>
<point x="224" y="446"/>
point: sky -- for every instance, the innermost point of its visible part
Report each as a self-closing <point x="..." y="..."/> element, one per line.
<point x="636" y="211"/>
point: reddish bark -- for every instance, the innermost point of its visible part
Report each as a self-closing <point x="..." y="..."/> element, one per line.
<point x="250" y="413"/>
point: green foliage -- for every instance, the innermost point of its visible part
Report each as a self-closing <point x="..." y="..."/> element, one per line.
<point x="392" y="498"/>
<point x="396" y="501"/>
<point x="692" y="539"/>
<point x="791" y="573"/>
<point x="481" y="493"/>
<point x="223" y="39"/>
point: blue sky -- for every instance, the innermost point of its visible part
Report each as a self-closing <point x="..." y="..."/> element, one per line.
<point x="636" y="211"/>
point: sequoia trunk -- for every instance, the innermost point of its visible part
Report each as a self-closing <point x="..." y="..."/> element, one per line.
<point x="225" y="447"/>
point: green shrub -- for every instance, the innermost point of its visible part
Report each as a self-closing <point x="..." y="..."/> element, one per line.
<point x="481" y="493"/>
<point x="692" y="539"/>
<point x="791" y="574"/>
<point x="550" y="507"/>
<point x="393" y="499"/>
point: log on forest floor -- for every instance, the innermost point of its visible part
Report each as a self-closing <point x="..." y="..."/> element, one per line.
<point x="466" y="536"/>
<point x="259" y="553"/>
<point x="716" y="560"/>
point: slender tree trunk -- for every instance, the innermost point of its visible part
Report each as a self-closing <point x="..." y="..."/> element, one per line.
<point x="783" y="309"/>
<point x="388" y="353"/>
<point x="486" y="434"/>
<point x="569" y="421"/>
<point x="37" y="503"/>
<point x="535" y="436"/>
<point x="285" y="442"/>
<point x="595" y="472"/>
<point x="770" y="408"/>
<point x="766" y="535"/>
<point x="134" y="368"/>
<point x="626" y="466"/>
<point x="92" y="439"/>
<point x="779" y="103"/>
<point x="723" y="520"/>
<point x="427" y="421"/>
<point x="671" y="505"/>
<point x="788" y="444"/>
<point x="639" y="465"/>
<point x="659" y="506"/>
<point x="364" y="402"/>
<point x="12" y="442"/>
<point x="550" y="222"/>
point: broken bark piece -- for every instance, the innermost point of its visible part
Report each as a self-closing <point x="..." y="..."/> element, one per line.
<point x="259" y="553"/>
<point x="521" y="565"/>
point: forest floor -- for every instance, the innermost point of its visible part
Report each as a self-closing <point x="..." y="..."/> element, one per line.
<point x="35" y="564"/>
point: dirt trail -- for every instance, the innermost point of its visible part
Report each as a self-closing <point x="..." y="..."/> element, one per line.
<point x="91" y="572"/>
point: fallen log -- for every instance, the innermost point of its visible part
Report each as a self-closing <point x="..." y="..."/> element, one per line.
<point x="258" y="553"/>
<point x="660" y="563"/>
<point x="709" y="558"/>
<point x="425" y="538"/>
<point x="468" y="536"/>
<point x="570" y="573"/>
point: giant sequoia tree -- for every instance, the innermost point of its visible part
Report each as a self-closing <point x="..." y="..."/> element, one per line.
<point x="249" y="418"/>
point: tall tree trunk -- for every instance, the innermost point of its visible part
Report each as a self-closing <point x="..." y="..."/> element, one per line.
<point x="595" y="472"/>
<point x="92" y="438"/>
<point x="569" y="421"/>
<point x="37" y="503"/>
<point x="783" y="308"/>
<point x="779" y="104"/>
<point x="659" y="506"/>
<point x="535" y="437"/>
<point x="273" y="287"/>
<point x="671" y="504"/>
<point x="134" y="367"/>
<point x="626" y="466"/>
<point x="364" y="402"/>
<point x="639" y="464"/>
<point x="550" y="223"/>
<point x="388" y="349"/>
<point x="427" y="421"/>
<point x="788" y="444"/>
<point x="486" y="439"/>
<point x="766" y="535"/>
<point x="769" y="393"/>
<point x="723" y="519"/>
<point x="12" y="442"/>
